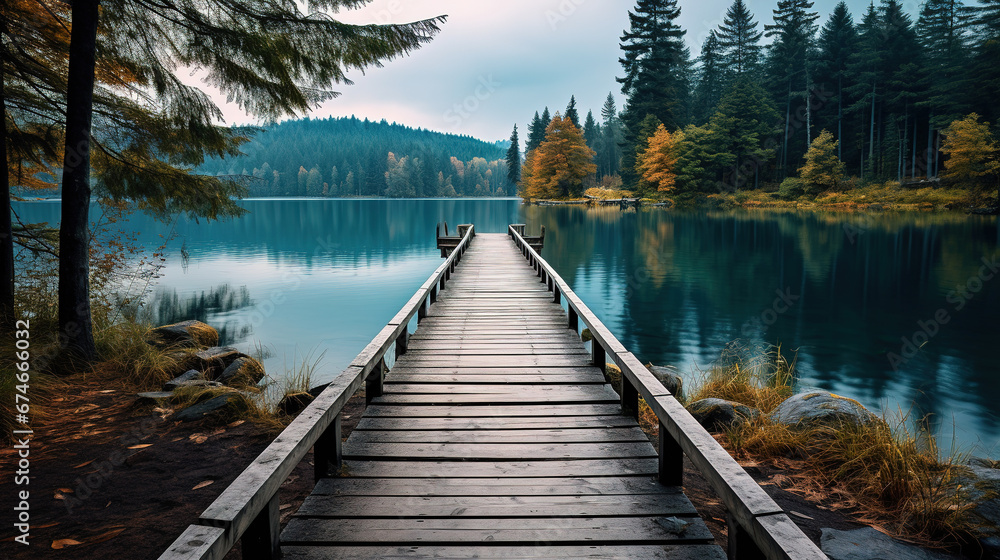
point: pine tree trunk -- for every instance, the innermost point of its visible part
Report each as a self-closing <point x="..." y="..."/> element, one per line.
<point x="913" y="154"/>
<point x="6" y="229"/>
<point x="930" y="142"/>
<point x="75" y="323"/>
<point x="808" y="97"/>
<point x="840" y="118"/>
<point x="871" y="132"/>
<point x="788" y="118"/>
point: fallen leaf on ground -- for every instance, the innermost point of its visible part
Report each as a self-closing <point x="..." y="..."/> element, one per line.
<point x="65" y="490"/>
<point x="46" y="526"/>
<point x="202" y="438"/>
<point x="107" y="391"/>
<point x="284" y="506"/>
<point x="106" y="536"/>
<point x="236" y="423"/>
<point x="140" y="446"/>
<point x="203" y="484"/>
<point x="85" y="408"/>
<point x="63" y="543"/>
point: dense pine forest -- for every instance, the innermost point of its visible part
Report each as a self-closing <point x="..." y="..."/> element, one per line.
<point x="341" y="157"/>
<point x="804" y="103"/>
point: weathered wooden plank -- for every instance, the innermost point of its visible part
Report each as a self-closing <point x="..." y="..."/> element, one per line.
<point x="579" y="435"/>
<point x="495" y="399"/>
<point x="569" y="486"/>
<point x="417" y="360"/>
<point x="582" y="371"/>
<point x="503" y="468"/>
<point x="484" y="378"/>
<point x="539" y="551"/>
<point x="490" y="423"/>
<point x="347" y="507"/>
<point x="497" y="452"/>
<point x="497" y="411"/>
<point x="440" y="353"/>
<point x="529" y="392"/>
<point x="197" y="542"/>
<point x="605" y="530"/>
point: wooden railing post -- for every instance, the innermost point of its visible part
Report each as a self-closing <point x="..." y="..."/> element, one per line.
<point x="598" y="352"/>
<point x="741" y="545"/>
<point x="671" y="459"/>
<point x="630" y="398"/>
<point x="401" y="342"/>
<point x="373" y="383"/>
<point x="574" y="319"/>
<point x="422" y="311"/>
<point x="434" y="294"/>
<point x="556" y="298"/>
<point x="328" y="453"/>
<point x="260" y="541"/>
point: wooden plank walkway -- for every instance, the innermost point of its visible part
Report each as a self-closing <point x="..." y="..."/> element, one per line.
<point x="495" y="437"/>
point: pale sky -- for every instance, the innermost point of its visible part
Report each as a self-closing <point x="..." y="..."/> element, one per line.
<point x="495" y="63"/>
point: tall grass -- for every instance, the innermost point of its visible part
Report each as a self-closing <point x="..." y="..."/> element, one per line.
<point x="889" y="474"/>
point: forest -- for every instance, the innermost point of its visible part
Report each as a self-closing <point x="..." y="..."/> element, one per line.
<point x="341" y="157"/>
<point x="806" y="104"/>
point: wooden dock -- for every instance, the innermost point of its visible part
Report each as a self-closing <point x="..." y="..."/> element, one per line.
<point x="493" y="435"/>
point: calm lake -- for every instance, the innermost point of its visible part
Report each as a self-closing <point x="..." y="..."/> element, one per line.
<point x="894" y="310"/>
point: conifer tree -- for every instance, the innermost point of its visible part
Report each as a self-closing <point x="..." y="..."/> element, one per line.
<point x="557" y="168"/>
<point x="823" y="169"/>
<point x="536" y="133"/>
<point x="514" y="159"/>
<point x="656" y="66"/>
<point x="788" y="63"/>
<point x="711" y="79"/>
<point x="591" y="131"/>
<point x="973" y="152"/>
<point x="739" y="41"/>
<point x="269" y="58"/>
<point x="837" y="40"/>
<point x="943" y="32"/>
<point x="658" y="163"/>
<point x="571" y="113"/>
<point x="609" y="156"/>
<point x="745" y="118"/>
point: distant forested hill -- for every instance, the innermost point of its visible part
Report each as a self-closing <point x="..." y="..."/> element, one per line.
<point x="351" y="157"/>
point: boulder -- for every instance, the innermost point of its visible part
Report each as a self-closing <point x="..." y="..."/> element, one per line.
<point x="213" y="361"/>
<point x="189" y="375"/>
<point x="293" y="403"/>
<point x="868" y="544"/>
<point x="152" y="396"/>
<point x="186" y="333"/>
<point x="197" y="383"/>
<point x="718" y="414"/>
<point x="232" y="402"/>
<point x="821" y="408"/>
<point x="244" y="370"/>
<point x="983" y="486"/>
<point x="669" y="377"/>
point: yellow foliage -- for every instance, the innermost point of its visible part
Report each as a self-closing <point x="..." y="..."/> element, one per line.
<point x="557" y="167"/>
<point x="971" y="149"/>
<point x="658" y="163"/>
<point x="823" y="169"/>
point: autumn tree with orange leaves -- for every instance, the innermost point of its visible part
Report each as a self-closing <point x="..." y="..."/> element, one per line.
<point x="658" y="163"/>
<point x="557" y="167"/>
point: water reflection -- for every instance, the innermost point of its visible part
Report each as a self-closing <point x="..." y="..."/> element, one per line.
<point x="842" y="290"/>
<point x="314" y="276"/>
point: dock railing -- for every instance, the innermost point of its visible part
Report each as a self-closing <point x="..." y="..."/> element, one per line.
<point x="247" y="510"/>
<point x="758" y="527"/>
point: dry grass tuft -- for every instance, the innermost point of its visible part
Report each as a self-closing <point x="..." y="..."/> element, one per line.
<point x="888" y="475"/>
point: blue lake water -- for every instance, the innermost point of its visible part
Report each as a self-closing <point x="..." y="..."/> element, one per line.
<point x="895" y="310"/>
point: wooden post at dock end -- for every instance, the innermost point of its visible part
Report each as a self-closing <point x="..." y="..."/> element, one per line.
<point x="519" y="228"/>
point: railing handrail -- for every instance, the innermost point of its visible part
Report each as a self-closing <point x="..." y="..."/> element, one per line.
<point x="251" y="499"/>
<point x="760" y="520"/>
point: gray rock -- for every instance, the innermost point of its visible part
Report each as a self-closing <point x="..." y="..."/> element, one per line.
<point x="210" y="406"/>
<point x="243" y="371"/>
<point x="185" y="333"/>
<point x="216" y="359"/>
<point x="152" y="396"/>
<point x="868" y="544"/>
<point x="821" y="407"/>
<point x="197" y="383"/>
<point x="189" y="375"/>
<point x="668" y="377"/>
<point x="718" y="414"/>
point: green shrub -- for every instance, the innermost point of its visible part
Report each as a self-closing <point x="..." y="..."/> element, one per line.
<point x="791" y="188"/>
